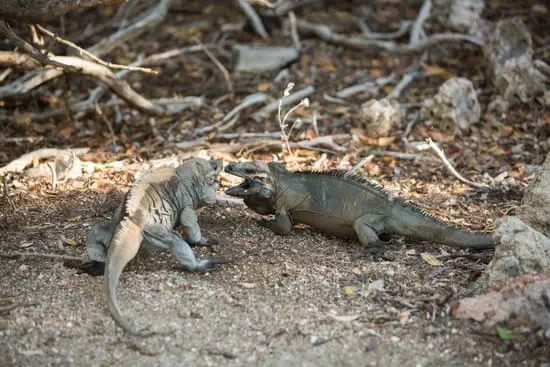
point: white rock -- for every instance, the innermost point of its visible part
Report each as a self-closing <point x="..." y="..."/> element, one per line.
<point x="379" y="117"/>
<point x="454" y="108"/>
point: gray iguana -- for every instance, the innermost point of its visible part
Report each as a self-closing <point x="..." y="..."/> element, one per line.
<point x="155" y="203"/>
<point x="341" y="204"/>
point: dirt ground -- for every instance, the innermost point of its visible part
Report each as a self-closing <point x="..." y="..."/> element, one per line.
<point x="301" y="300"/>
<point x="305" y="299"/>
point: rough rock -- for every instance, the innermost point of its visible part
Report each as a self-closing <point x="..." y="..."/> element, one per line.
<point x="465" y="17"/>
<point x="519" y="250"/>
<point x="379" y="117"/>
<point x="454" y="108"/>
<point x="535" y="206"/>
<point x="259" y="59"/>
<point x="509" y="51"/>
<point x="521" y="301"/>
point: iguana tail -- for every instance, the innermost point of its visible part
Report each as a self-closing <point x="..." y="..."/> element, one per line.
<point x="124" y="248"/>
<point x="416" y="223"/>
<point x="127" y="239"/>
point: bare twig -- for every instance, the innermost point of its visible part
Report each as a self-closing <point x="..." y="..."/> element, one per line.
<point x="153" y="16"/>
<point x="37" y="254"/>
<point x="423" y="15"/>
<point x="360" y="164"/>
<point x="326" y="34"/>
<point x="107" y="122"/>
<point x="228" y="201"/>
<point x="51" y="166"/>
<point x="224" y="71"/>
<point x="254" y="18"/>
<point x="451" y="169"/>
<point x="407" y="79"/>
<point x="230" y="136"/>
<point x="105" y="77"/>
<point x="292" y="98"/>
<point x="150" y="19"/>
<point x="370" y="86"/>
<point x="294" y="30"/>
<point x="403" y="28"/>
<point x="19" y="164"/>
<point x="323" y="141"/>
<point x="28" y="48"/>
<point x="88" y="54"/>
<point x="247" y="102"/>
<point x="400" y="155"/>
<point x="4" y="74"/>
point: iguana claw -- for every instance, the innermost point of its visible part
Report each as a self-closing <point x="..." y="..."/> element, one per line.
<point x="93" y="268"/>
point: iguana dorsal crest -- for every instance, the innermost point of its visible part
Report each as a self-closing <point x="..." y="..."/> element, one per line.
<point x="139" y="187"/>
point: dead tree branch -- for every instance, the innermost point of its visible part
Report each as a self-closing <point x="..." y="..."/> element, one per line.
<point x="360" y="42"/>
<point x="98" y="73"/>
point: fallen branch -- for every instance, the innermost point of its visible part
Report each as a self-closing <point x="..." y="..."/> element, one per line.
<point x="462" y="179"/>
<point x="153" y="17"/>
<point x="246" y="102"/>
<point x="360" y="164"/>
<point x="38" y="254"/>
<point x="417" y="32"/>
<point x="327" y="141"/>
<point x="19" y="164"/>
<point x="98" y="73"/>
<point x="224" y="71"/>
<point x="370" y="86"/>
<point x="403" y="29"/>
<point x="407" y="79"/>
<point x="83" y="52"/>
<point x="294" y="30"/>
<point x="360" y="42"/>
<point x="228" y="201"/>
<point x="254" y="18"/>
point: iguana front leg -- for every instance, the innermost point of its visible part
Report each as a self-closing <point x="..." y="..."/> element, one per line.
<point x="364" y="228"/>
<point x="167" y="239"/>
<point x="191" y="229"/>
<point x="282" y="224"/>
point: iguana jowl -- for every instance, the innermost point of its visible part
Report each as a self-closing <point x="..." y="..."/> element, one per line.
<point x="340" y="204"/>
<point x="156" y="202"/>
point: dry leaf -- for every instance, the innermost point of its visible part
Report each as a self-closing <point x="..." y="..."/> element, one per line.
<point x="69" y="241"/>
<point x="74" y="219"/>
<point x="356" y="271"/>
<point x="263" y="87"/>
<point x="430" y="70"/>
<point x="165" y="291"/>
<point x="430" y="259"/>
<point x="404" y="317"/>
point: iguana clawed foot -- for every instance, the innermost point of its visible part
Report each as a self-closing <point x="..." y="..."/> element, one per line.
<point x="93" y="268"/>
<point x="210" y="265"/>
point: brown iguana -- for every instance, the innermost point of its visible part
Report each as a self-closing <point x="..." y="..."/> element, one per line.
<point x="340" y="204"/>
<point x="155" y="203"/>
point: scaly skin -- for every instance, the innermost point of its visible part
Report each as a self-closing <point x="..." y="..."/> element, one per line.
<point x="340" y="204"/>
<point x="157" y="202"/>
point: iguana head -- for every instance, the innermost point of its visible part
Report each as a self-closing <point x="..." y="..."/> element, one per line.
<point x="206" y="174"/>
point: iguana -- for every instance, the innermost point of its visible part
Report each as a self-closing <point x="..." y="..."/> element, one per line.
<point x="155" y="203"/>
<point x="341" y="204"/>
